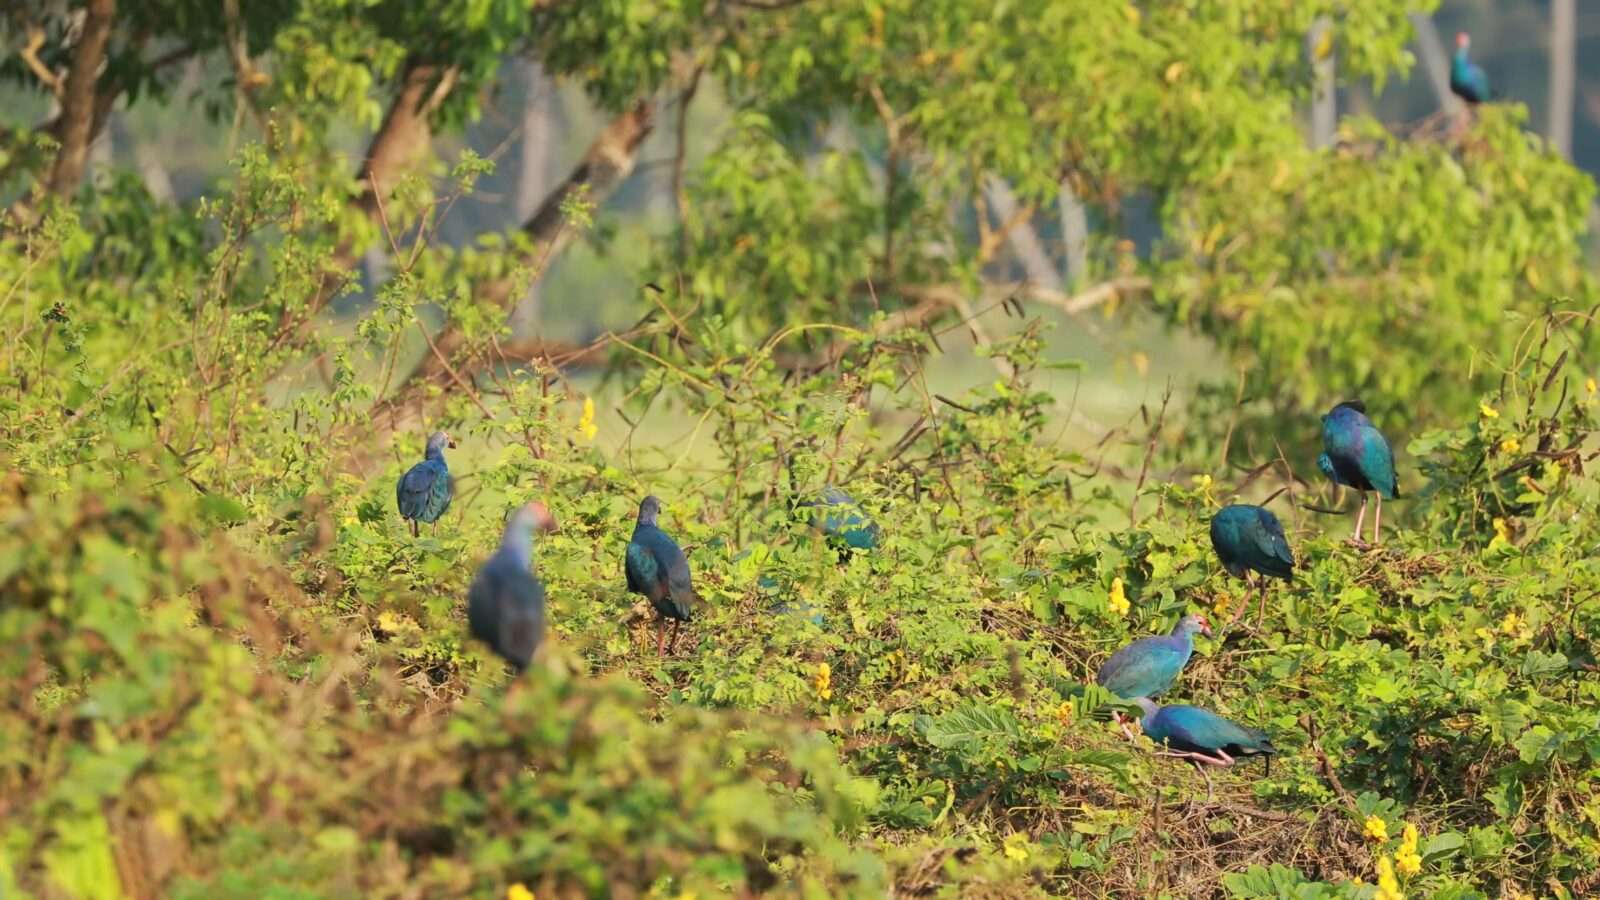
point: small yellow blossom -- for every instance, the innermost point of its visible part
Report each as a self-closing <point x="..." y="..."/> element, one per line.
<point x="1590" y="386"/>
<point x="1510" y="445"/>
<point x="1118" y="601"/>
<point x="586" y="426"/>
<point x="1016" y="846"/>
<point x="1376" y="829"/>
<point x="1064" y="713"/>
<point x="824" y="681"/>
<point x="1487" y="637"/>
<point x="1388" y="885"/>
<point x="1223" y="606"/>
<point x="1502" y="532"/>
<point x="519" y="891"/>
<point x="1406" y="859"/>
<point x="1512" y="623"/>
<point x="1488" y="412"/>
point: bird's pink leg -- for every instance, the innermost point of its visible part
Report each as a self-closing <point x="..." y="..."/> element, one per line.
<point x="1122" y="722"/>
<point x="1360" y="518"/>
<point x="661" y="639"/>
<point x="672" y="645"/>
<point x="1377" y="518"/>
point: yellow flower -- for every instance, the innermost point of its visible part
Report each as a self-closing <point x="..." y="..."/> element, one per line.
<point x="1502" y="533"/>
<point x="586" y="426"/>
<point x="1016" y="846"/>
<point x="1510" y="445"/>
<point x="519" y="891"/>
<point x="1488" y="412"/>
<point x="1590" y="386"/>
<point x="1406" y="858"/>
<point x="1064" y="713"/>
<point x="1222" y="606"/>
<point x="1512" y="623"/>
<point x="1376" y="829"/>
<point x="824" y="681"/>
<point x="1487" y="637"/>
<point x="1118" y="601"/>
<point x="1388" y="885"/>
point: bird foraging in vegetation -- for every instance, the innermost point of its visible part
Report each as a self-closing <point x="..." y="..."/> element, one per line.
<point x="1249" y="539"/>
<point x="1467" y="79"/>
<point x="1357" y="455"/>
<point x="1149" y="666"/>
<point x="505" y="605"/>
<point x="657" y="569"/>
<point x="423" y="493"/>
<point x="842" y="520"/>
<point x="1202" y="736"/>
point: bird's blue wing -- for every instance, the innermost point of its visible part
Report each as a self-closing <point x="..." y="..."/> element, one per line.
<point x="1377" y="461"/>
<point x="1144" y="668"/>
<point x="644" y="573"/>
<point x="412" y="491"/>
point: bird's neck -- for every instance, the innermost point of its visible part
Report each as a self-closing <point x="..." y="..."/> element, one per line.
<point x="1461" y="59"/>
<point x="434" y="453"/>
<point x="518" y="546"/>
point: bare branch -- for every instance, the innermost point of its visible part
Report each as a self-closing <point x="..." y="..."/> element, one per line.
<point x="30" y="55"/>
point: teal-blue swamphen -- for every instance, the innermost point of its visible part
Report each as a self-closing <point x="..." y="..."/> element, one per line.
<point x="1357" y="455"/>
<point x="1249" y="539"/>
<point x="657" y="568"/>
<point x="1149" y="666"/>
<point x="423" y="493"/>
<point x="505" y="605"/>
<point x="1202" y="736"/>
<point x="1467" y="80"/>
<point x="842" y="520"/>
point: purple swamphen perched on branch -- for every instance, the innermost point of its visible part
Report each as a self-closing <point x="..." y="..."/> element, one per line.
<point x="505" y="605"/>
<point x="657" y="568"/>
<point x="1250" y="539"/>
<point x="1202" y="736"/>
<point x="1149" y="666"/>
<point x="1467" y="80"/>
<point x="1357" y="455"/>
<point x="424" y="491"/>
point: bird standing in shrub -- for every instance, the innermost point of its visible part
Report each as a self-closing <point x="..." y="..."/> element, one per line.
<point x="423" y="493"/>
<point x="657" y="569"/>
<point x="1250" y="539"/>
<point x="505" y="605"/>
<point x="1202" y="736"/>
<point x="1467" y="80"/>
<point x="1357" y="455"/>
<point x="1149" y="666"/>
<point x="842" y="520"/>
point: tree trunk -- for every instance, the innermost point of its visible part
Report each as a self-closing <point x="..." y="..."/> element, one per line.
<point x="81" y="109"/>
<point x="540" y="110"/>
<point x="1324" y="95"/>
<point x="1024" y="240"/>
<point x="1434" y="61"/>
<point x="1563" y="72"/>
<point x="1074" y="233"/>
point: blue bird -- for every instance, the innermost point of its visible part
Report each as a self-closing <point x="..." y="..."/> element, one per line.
<point x="1467" y="80"/>
<point x="1149" y="666"/>
<point x="1202" y="736"/>
<point x="842" y="520"/>
<point x="505" y="605"/>
<point x="1249" y="539"/>
<point x="1357" y="455"/>
<point x="423" y="493"/>
<point x="657" y="569"/>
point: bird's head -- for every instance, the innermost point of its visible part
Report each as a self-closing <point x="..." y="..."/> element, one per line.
<point x="649" y="509"/>
<point x="439" y="440"/>
<point x="1463" y="40"/>
<point x="534" y="516"/>
<point x="1194" y="622"/>
<point x="1146" y="705"/>
<point x="1347" y="410"/>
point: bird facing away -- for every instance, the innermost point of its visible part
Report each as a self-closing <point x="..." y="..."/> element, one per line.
<point x="1357" y="455"/>
<point x="1202" y="736"/>
<point x="845" y="525"/>
<point x="1149" y="666"/>
<point x="657" y="569"/>
<point x="423" y="493"/>
<point x="1249" y="539"/>
<point x="1467" y="80"/>
<point x="505" y="605"/>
